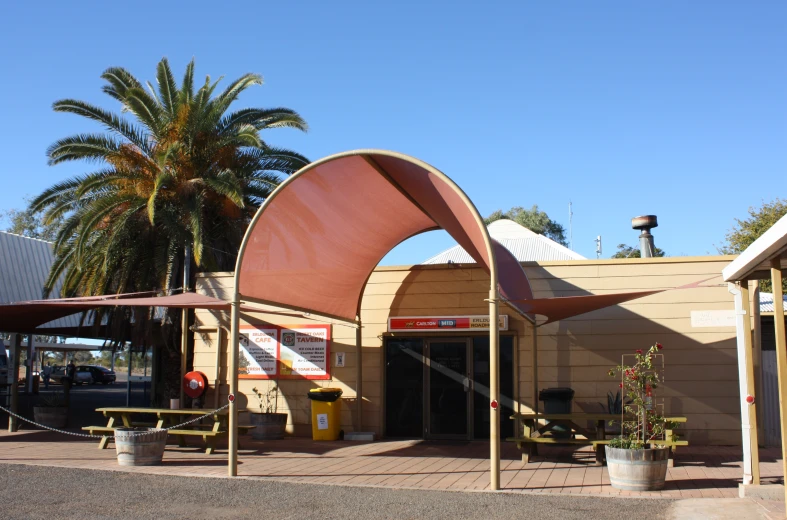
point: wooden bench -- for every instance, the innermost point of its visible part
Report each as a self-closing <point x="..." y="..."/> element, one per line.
<point x="535" y="434"/>
<point x="201" y="430"/>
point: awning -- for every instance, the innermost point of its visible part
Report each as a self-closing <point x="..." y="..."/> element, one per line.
<point x="317" y="239"/>
<point x="562" y="307"/>
<point x="24" y="317"/>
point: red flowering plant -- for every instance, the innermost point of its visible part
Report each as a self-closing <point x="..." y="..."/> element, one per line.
<point x="642" y="425"/>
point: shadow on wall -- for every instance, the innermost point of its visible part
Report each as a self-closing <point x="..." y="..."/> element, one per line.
<point x="701" y="375"/>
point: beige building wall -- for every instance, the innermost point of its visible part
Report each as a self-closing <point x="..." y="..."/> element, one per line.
<point x="701" y="363"/>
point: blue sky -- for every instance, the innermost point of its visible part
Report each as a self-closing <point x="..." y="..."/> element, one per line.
<point x="625" y="108"/>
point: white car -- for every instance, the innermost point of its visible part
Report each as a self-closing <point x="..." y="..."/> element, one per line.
<point x="83" y="375"/>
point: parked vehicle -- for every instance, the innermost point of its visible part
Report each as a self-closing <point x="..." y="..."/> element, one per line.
<point x="100" y="374"/>
<point x="83" y="375"/>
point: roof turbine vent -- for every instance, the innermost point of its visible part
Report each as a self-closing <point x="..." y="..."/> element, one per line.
<point x="645" y="223"/>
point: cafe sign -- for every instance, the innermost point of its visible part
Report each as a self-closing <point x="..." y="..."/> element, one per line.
<point x="284" y="352"/>
<point x="443" y="323"/>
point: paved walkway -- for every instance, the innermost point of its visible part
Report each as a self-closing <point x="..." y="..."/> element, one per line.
<point x="700" y="472"/>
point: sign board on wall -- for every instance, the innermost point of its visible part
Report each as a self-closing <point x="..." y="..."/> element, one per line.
<point x="725" y="318"/>
<point x="443" y="323"/>
<point x="286" y="351"/>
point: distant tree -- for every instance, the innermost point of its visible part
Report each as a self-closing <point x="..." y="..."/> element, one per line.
<point x="625" y="251"/>
<point x="533" y="219"/>
<point x="30" y="224"/>
<point x="745" y="232"/>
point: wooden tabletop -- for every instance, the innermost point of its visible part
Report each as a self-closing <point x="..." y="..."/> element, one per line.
<point x="159" y="411"/>
<point x="583" y="417"/>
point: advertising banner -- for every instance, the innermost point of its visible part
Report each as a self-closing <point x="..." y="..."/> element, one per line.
<point x="286" y="352"/>
<point x="443" y="323"/>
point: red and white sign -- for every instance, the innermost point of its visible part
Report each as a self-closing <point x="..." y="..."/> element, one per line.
<point x="443" y="323"/>
<point x="286" y="352"/>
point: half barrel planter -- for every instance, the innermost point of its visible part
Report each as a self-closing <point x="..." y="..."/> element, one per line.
<point x="52" y="416"/>
<point x="268" y="426"/>
<point x="637" y="470"/>
<point x="140" y="446"/>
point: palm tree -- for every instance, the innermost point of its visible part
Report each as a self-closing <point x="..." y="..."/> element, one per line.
<point x="184" y="175"/>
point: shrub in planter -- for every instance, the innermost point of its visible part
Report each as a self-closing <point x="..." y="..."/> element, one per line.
<point x="269" y="425"/>
<point x="51" y="410"/>
<point x="636" y="461"/>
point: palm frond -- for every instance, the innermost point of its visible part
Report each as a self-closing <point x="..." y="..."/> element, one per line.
<point x="120" y="81"/>
<point x="168" y="89"/>
<point x="112" y="122"/>
<point x="89" y="147"/>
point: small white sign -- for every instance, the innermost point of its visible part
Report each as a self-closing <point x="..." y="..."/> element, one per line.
<point x="339" y="359"/>
<point x="724" y="318"/>
<point x="322" y="421"/>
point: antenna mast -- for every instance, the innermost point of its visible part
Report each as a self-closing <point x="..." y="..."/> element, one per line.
<point x="570" y="226"/>
<point x="598" y="246"/>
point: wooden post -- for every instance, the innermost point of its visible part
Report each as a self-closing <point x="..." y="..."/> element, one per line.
<point x="756" y="318"/>
<point x="13" y="374"/>
<point x="232" y="457"/>
<point x="358" y="376"/>
<point x="534" y="362"/>
<point x="781" y="355"/>
<point x="494" y="387"/>
<point x="750" y="388"/>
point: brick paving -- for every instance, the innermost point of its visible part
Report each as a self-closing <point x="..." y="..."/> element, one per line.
<point x="700" y="472"/>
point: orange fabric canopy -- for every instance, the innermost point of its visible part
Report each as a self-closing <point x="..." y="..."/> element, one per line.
<point x="313" y="245"/>
<point x="24" y="317"/>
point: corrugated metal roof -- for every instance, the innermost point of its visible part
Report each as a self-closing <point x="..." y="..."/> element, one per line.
<point x="525" y="245"/>
<point x="766" y="301"/>
<point x="24" y="267"/>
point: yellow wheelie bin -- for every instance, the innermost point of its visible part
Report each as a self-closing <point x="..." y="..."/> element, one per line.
<point x="326" y="416"/>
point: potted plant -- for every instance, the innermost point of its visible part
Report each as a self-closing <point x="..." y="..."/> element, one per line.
<point x="269" y="425"/>
<point x="636" y="461"/>
<point x="51" y="410"/>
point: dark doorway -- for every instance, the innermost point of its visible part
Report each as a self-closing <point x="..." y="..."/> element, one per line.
<point x="404" y="387"/>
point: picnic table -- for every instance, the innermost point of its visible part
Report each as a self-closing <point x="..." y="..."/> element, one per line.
<point x="215" y="424"/>
<point x="570" y="428"/>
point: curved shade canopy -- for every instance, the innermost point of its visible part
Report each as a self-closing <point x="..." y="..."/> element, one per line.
<point x="318" y="237"/>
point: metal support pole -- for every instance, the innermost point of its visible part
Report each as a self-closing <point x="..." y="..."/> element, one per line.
<point x="31" y="359"/>
<point x="232" y="459"/>
<point x="217" y="381"/>
<point x="128" y="381"/>
<point x="359" y="376"/>
<point x="781" y="355"/>
<point x="494" y="388"/>
<point x="184" y="323"/>
<point x="534" y="361"/>
<point x="750" y="387"/>
<point x="13" y="374"/>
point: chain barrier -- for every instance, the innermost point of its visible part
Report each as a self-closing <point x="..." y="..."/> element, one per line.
<point x="126" y="435"/>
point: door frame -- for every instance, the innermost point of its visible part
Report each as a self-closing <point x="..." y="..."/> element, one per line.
<point x="468" y="373"/>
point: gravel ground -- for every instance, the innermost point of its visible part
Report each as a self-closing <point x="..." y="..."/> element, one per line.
<point x="61" y="493"/>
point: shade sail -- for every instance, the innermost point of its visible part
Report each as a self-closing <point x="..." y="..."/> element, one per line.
<point x="317" y="239"/>
<point x="26" y="316"/>
<point x="562" y="307"/>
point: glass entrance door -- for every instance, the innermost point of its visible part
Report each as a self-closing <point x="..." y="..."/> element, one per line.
<point x="449" y="389"/>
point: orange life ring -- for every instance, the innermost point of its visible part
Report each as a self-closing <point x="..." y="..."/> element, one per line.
<point x="194" y="384"/>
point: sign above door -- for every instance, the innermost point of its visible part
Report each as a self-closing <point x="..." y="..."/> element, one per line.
<point x="443" y="323"/>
